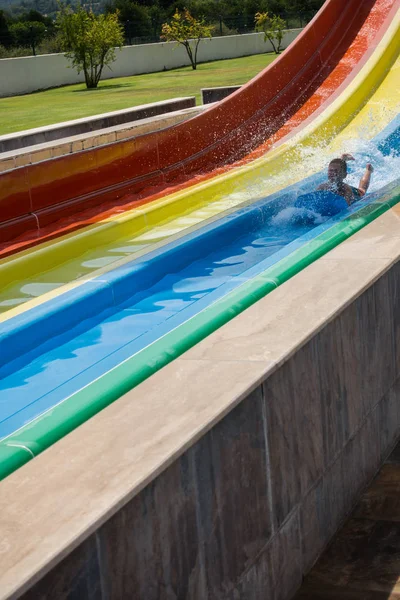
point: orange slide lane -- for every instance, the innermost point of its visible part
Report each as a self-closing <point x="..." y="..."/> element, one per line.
<point x="102" y="181"/>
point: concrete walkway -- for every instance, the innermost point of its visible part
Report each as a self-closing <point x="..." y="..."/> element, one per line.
<point x="363" y="560"/>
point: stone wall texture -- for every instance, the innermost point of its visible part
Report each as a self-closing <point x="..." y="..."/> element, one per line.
<point x="246" y="511"/>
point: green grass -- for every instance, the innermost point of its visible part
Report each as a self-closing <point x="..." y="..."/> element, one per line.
<point x="75" y="101"/>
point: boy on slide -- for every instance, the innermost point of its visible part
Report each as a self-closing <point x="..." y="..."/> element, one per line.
<point x="337" y="172"/>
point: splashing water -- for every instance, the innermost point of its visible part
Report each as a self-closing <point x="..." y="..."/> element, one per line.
<point x="292" y="214"/>
<point x="386" y="168"/>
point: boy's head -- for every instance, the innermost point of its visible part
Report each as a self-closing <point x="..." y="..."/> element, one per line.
<point x="337" y="170"/>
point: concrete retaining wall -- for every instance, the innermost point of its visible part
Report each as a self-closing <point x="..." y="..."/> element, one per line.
<point x="49" y="133"/>
<point x="246" y="510"/>
<point x="24" y="75"/>
<point x="40" y="152"/>
<point x="216" y="94"/>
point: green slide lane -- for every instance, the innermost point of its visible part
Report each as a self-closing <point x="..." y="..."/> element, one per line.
<point x="45" y="430"/>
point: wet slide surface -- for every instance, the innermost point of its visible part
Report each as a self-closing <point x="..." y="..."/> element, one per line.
<point x="68" y="350"/>
<point x="91" y="252"/>
<point x="154" y="296"/>
<point x="297" y="85"/>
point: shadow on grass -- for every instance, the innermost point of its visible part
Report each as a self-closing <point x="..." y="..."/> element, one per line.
<point x="110" y="86"/>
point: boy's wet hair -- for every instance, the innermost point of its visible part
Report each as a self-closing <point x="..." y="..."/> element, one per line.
<point x="342" y="163"/>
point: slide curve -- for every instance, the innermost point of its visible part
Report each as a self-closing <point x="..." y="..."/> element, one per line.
<point x="324" y="58"/>
<point x="33" y="276"/>
<point x="69" y="353"/>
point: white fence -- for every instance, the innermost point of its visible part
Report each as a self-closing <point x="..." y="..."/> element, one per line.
<point x="28" y="74"/>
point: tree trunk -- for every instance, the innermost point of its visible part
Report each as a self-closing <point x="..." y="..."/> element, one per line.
<point x="272" y="44"/>
<point x="91" y="84"/>
<point x="190" y="55"/>
<point x="195" y="53"/>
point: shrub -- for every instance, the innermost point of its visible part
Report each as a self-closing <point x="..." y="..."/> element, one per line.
<point x="16" y="52"/>
<point x="52" y="45"/>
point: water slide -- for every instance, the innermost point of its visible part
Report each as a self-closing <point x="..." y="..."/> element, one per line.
<point x="88" y="315"/>
<point x="51" y="198"/>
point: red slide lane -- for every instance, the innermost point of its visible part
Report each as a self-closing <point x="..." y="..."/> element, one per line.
<point x="328" y="51"/>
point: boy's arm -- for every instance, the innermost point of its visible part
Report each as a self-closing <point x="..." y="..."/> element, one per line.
<point x="366" y="179"/>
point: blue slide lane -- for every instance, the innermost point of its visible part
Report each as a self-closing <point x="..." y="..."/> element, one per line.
<point x="72" y="340"/>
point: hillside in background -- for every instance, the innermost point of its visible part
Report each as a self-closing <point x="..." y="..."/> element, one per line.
<point x="46" y="7"/>
<point x="16" y="8"/>
<point x="50" y="7"/>
<point x="28" y="26"/>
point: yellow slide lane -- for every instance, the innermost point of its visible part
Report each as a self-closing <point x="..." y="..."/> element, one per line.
<point x="46" y="271"/>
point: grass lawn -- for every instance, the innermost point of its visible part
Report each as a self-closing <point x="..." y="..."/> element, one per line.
<point x="75" y="101"/>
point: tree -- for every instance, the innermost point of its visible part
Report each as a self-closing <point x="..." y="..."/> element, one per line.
<point x="5" y="35"/>
<point x="29" y="33"/>
<point x="273" y="27"/>
<point x="90" y="41"/>
<point x="302" y="6"/>
<point x="133" y="17"/>
<point x="187" y="31"/>
<point x="36" y="17"/>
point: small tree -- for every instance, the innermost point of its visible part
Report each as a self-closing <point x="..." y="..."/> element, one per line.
<point x="184" y="29"/>
<point x="273" y="27"/>
<point x="90" y="41"/>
